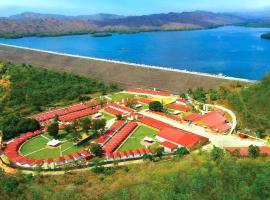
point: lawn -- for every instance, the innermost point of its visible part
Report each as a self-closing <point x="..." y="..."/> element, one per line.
<point x="133" y="142"/>
<point x="119" y="96"/>
<point x="37" y="147"/>
<point x="107" y="116"/>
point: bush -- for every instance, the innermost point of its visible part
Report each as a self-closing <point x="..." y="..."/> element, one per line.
<point x="156" y="106"/>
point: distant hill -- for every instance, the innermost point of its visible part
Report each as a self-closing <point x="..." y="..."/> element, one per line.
<point x="96" y="17"/>
<point x="28" y="24"/>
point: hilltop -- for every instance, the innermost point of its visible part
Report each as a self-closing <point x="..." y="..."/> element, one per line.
<point x="29" y="24"/>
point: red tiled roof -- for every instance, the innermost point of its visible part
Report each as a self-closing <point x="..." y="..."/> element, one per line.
<point x="244" y="150"/>
<point x="180" y="137"/>
<point x="192" y="117"/>
<point x="154" y="123"/>
<point x="145" y="100"/>
<point x="175" y="106"/>
<point x="151" y="92"/>
<point x="169" y="145"/>
<point x="215" y="120"/>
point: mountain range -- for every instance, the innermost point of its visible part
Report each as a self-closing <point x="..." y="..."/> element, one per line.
<point x="36" y="24"/>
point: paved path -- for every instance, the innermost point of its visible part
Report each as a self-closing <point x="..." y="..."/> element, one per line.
<point x="215" y="138"/>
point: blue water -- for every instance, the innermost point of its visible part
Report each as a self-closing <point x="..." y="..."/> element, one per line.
<point x="232" y="51"/>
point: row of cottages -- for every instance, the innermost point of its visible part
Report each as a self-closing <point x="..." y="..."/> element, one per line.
<point x="59" y="112"/>
<point x="214" y="120"/>
<point x="116" y="109"/>
<point x="173" y="138"/>
<point x="149" y="92"/>
<point x="115" y="156"/>
<point x="243" y="151"/>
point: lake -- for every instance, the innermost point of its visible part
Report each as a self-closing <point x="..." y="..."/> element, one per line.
<point x="232" y="51"/>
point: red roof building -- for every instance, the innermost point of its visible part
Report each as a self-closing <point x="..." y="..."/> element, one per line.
<point x="176" y="106"/>
<point x="244" y="150"/>
<point x="150" y="92"/>
<point x="214" y="120"/>
<point x="179" y="137"/>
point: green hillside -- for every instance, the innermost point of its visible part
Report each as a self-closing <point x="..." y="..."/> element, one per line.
<point x="195" y="177"/>
<point x="253" y="106"/>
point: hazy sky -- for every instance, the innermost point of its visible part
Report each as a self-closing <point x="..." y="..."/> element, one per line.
<point x="127" y="7"/>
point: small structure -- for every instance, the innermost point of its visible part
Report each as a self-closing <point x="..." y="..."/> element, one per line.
<point x="169" y="147"/>
<point x="54" y="143"/>
<point x="97" y="115"/>
<point x="148" y="139"/>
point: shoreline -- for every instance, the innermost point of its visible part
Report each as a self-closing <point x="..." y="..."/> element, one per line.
<point x="134" y="64"/>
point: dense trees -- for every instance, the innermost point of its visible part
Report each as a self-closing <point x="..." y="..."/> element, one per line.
<point x="194" y="177"/>
<point x="13" y="126"/>
<point x="252" y="105"/>
<point x="29" y="90"/>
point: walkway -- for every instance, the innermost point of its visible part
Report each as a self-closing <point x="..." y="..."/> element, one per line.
<point x="215" y="138"/>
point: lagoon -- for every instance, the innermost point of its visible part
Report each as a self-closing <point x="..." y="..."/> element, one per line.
<point x="231" y="50"/>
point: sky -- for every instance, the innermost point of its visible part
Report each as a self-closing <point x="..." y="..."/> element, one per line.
<point x="127" y="7"/>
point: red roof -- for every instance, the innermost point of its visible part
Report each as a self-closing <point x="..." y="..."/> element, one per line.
<point x="151" y="92"/>
<point x="169" y="145"/>
<point x="192" y="117"/>
<point x="154" y="123"/>
<point x="182" y="101"/>
<point x="175" y="106"/>
<point x="180" y="137"/>
<point x="244" y="150"/>
<point x="145" y="100"/>
<point x="76" y="155"/>
<point x="215" y="120"/>
<point x="59" y="160"/>
<point x="68" y="157"/>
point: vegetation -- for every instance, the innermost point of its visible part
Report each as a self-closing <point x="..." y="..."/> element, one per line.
<point x="13" y="126"/>
<point x="53" y="129"/>
<point x="194" y="176"/>
<point x="265" y="36"/>
<point x="156" y="106"/>
<point x="26" y="90"/>
<point x="252" y="105"/>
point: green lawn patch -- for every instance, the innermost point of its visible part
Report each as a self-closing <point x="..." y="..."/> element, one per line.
<point x="133" y="142"/>
<point x="33" y="144"/>
<point x="108" y="116"/>
<point x="119" y="96"/>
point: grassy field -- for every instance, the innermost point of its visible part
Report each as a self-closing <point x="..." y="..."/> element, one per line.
<point x="107" y="116"/>
<point x="119" y="96"/>
<point x="37" y="147"/>
<point x="133" y="142"/>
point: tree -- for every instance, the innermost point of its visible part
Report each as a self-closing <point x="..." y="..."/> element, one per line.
<point x="53" y="129"/>
<point x="85" y="123"/>
<point x="119" y="117"/>
<point x="96" y="149"/>
<point x="69" y="128"/>
<point x="156" y="106"/>
<point x="180" y="152"/>
<point x="147" y="157"/>
<point x="253" y="151"/>
<point x="183" y="95"/>
<point x="160" y="152"/>
<point x="260" y="133"/>
<point x="217" y="154"/>
<point x="199" y="94"/>
<point x="99" y="124"/>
